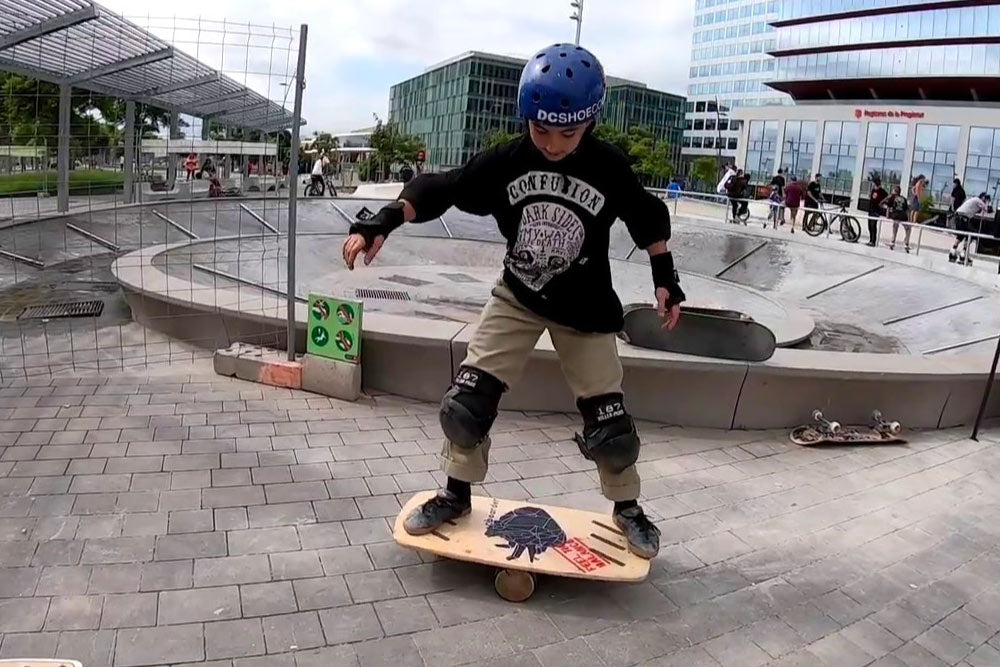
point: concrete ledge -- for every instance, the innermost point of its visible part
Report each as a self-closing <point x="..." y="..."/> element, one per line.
<point x="417" y="358"/>
<point x="330" y="377"/>
<point x="258" y="364"/>
<point x="665" y="388"/>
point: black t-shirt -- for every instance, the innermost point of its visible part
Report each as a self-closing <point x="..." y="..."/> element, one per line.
<point x="878" y="195"/>
<point x="556" y="218"/>
<point x="898" y="207"/>
<point x="779" y="180"/>
<point x="958" y="195"/>
<point x="814" y="192"/>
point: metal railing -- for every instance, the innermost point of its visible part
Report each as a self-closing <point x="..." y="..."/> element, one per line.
<point x="675" y="196"/>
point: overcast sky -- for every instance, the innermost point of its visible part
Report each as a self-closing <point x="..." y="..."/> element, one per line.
<point x="358" y="48"/>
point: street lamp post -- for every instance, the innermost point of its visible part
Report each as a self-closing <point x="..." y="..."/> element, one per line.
<point x="578" y="17"/>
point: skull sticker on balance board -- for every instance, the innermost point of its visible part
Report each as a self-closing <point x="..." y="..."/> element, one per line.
<point x="549" y="239"/>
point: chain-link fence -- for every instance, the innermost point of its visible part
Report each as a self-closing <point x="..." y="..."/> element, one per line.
<point x="144" y="186"/>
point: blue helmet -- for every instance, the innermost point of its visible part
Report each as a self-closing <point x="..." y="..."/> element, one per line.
<point x="561" y="85"/>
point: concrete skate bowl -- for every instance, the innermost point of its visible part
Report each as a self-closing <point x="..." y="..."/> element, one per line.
<point x="860" y="328"/>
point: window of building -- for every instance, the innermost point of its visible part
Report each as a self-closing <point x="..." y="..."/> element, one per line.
<point x="699" y="124"/>
<point x="884" y="151"/>
<point x="761" y="146"/>
<point x="709" y="142"/>
<point x="982" y="170"/>
<point x="934" y="155"/>
<point x="710" y="124"/>
<point x="699" y="107"/>
<point x="686" y="142"/>
<point x="838" y="157"/>
<point x="798" y="148"/>
<point x="696" y="142"/>
<point x="732" y="143"/>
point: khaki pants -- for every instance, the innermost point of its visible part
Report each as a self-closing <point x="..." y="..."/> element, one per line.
<point x="506" y="335"/>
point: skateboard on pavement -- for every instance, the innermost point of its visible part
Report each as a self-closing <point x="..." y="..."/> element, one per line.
<point x="522" y="540"/>
<point x="825" y="432"/>
<point x="38" y="662"/>
<point x="706" y="332"/>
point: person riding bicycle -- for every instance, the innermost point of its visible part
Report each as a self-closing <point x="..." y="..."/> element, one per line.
<point x="318" y="169"/>
<point x="736" y="189"/>
<point x="555" y="193"/>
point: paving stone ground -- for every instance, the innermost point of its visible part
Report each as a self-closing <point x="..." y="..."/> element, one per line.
<point x="192" y="519"/>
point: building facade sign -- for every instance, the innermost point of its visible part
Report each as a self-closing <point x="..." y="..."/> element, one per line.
<point x="887" y="113"/>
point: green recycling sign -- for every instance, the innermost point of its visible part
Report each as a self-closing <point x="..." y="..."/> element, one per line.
<point x="334" y="328"/>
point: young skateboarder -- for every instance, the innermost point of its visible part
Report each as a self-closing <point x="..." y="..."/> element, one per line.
<point x="555" y="193"/>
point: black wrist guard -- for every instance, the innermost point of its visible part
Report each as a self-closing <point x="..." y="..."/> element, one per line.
<point x="665" y="275"/>
<point x="381" y="224"/>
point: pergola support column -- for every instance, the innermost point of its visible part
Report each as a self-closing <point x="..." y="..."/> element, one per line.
<point x="62" y="161"/>
<point x="129" y="159"/>
<point x="171" y="157"/>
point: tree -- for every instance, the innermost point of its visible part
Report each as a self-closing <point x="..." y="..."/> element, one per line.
<point x="614" y="136"/>
<point x="497" y="137"/>
<point x="325" y="143"/>
<point x="652" y="156"/>
<point x="390" y="147"/>
<point x="704" y="170"/>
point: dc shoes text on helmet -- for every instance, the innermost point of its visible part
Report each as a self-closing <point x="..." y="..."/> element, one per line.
<point x="562" y="85"/>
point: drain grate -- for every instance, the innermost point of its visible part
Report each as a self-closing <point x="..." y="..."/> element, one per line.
<point x="66" y="309"/>
<point x="385" y="294"/>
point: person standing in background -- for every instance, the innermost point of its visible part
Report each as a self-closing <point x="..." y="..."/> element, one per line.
<point x="875" y="199"/>
<point x="793" y="199"/>
<point x="813" y="196"/>
<point x="779" y="182"/>
<point x="896" y="206"/>
<point x="917" y="197"/>
<point x="957" y="195"/>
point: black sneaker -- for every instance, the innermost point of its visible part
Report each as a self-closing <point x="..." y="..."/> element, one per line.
<point x="445" y="506"/>
<point x="643" y="537"/>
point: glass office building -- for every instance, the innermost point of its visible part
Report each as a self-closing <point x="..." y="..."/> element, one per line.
<point x="894" y="88"/>
<point x="730" y="66"/>
<point x="454" y="104"/>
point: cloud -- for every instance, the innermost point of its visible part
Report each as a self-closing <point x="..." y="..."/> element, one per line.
<point x="357" y="50"/>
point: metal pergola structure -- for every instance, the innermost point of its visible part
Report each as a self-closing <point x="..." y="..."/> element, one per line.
<point x="79" y="44"/>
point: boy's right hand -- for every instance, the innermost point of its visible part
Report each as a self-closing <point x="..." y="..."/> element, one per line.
<point x="355" y="244"/>
<point x="369" y="234"/>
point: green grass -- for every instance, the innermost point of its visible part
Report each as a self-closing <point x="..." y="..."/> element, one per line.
<point x="81" y="181"/>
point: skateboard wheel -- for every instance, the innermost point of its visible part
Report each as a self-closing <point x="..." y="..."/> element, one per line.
<point x="834" y="427"/>
<point x="895" y="428"/>
<point x="817" y="416"/>
<point x="877" y="416"/>
<point x="514" y="585"/>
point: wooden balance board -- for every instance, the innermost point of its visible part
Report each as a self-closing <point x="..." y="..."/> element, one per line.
<point x="524" y="539"/>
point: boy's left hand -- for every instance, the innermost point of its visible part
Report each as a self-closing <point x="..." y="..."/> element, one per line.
<point x="669" y="315"/>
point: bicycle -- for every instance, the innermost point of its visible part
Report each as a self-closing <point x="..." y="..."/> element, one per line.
<point x="314" y="189"/>
<point x="817" y="223"/>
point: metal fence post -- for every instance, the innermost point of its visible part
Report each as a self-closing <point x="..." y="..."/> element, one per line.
<point x="62" y="159"/>
<point x="293" y="177"/>
<point x="986" y="392"/>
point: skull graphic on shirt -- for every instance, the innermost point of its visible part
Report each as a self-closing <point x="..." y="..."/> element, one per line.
<point x="549" y="239"/>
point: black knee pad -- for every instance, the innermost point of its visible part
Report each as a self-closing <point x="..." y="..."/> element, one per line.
<point x="609" y="437"/>
<point x="470" y="406"/>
